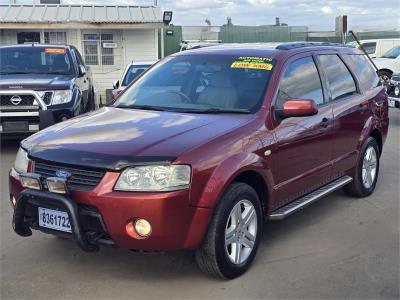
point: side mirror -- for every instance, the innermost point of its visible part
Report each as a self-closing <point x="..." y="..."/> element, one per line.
<point x="82" y="70"/>
<point x="298" y="108"/>
<point x="116" y="84"/>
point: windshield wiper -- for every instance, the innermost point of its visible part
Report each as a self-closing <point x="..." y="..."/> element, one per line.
<point x="144" y="107"/>
<point x="218" y="111"/>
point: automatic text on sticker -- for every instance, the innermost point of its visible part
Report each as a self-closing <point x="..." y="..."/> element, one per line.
<point x="253" y="62"/>
<point x="55" y="50"/>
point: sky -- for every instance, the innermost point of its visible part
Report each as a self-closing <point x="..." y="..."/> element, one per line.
<point x="316" y="14"/>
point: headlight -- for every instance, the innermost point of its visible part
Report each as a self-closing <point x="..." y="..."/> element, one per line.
<point x="61" y="96"/>
<point x="154" y="178"/>
<point x="21" y="161"/>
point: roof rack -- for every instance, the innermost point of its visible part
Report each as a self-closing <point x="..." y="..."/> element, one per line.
<point x="295" y="45"/>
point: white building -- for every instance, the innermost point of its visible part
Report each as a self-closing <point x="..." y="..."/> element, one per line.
<point x="108" y="37"/>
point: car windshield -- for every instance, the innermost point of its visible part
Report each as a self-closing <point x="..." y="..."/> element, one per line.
<point x="133" y="72"/>
<point x="202" y="83"/>
<point x="35" y="60"/>
<point x="392" y="53"/>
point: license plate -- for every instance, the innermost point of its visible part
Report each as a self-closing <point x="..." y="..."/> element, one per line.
<point x="54" y="219"/>
<point x="17" y="126"/>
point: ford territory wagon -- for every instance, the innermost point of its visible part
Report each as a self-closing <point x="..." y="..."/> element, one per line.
<point x="203" y="148"/>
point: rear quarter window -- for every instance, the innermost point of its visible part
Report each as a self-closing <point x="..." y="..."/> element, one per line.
<point x="341" y="82"/>
<point x="366" y="74"/>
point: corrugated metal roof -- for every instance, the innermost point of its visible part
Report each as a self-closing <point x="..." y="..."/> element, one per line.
<point x="79" y="13"/>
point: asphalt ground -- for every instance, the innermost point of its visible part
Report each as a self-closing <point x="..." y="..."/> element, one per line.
<point x="339" y="247"/>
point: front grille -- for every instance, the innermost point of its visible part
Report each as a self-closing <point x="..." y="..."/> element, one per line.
<point x="17" y="100"/>
<point x="19" y="108"/>
<point x="81" y="178"/>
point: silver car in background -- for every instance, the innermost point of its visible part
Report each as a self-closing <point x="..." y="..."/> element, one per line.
<point x="132" y="70"/>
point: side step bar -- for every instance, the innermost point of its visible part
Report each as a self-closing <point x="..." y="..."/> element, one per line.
<point x="302" y="202"/>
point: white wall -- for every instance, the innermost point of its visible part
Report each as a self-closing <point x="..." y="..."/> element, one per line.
<point x="137" y="45"/>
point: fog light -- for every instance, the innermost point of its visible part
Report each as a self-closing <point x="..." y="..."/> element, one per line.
<point x="397" y="91"/>
<point x="30" y="181"/>
<point x="57" y="185"/>
<point x="142" y="227"/>
<point x="138" y="229"/>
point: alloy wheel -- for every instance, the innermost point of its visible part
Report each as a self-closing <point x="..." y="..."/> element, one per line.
<point x="369" y="167"/>
<point x="241" y="232"/>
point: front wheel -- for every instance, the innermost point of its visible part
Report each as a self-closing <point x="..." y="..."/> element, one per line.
<point x="367" y="170"/>
<point x="233" y="234"/>
<point x="90" y="103"/>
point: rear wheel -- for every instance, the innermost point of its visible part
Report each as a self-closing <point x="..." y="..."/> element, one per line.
<point x="367" y="170"/>
<point x="233" y="235"/>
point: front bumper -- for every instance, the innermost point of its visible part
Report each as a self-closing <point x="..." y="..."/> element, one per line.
<point x="175" y="224"/>
<point x="25" y="119"/>
<point x="391" y="91"/>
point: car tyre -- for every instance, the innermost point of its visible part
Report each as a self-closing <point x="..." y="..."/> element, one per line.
<point x="238" y="218"/>
<point x="367" y="170"/>
<point x="90" y="104"/>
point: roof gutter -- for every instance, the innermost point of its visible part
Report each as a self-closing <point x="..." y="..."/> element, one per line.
<point x="81" y="25"/>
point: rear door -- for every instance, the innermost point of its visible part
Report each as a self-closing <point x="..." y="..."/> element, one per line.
<point x="350" y="111"/>
<point x="303" y="149"/>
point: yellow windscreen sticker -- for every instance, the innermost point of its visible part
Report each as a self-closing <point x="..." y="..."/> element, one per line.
<point x="252" y="62"/>
<point x="55" y="50"/>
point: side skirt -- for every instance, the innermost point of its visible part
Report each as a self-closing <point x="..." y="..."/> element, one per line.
<point x="302" y="202"/>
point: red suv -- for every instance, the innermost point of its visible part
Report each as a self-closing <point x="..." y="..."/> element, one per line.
<point x="203" y="148"/>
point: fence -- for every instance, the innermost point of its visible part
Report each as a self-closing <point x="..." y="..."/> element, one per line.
<point x="173" y="35"/>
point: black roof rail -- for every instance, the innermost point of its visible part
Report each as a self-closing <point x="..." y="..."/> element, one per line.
<point x="295" y="45"/>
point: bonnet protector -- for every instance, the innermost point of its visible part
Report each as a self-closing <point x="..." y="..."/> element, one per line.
<point x="103" y="161"/>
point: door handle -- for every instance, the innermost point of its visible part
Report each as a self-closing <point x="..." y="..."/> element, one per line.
<point x="325" y="122"/>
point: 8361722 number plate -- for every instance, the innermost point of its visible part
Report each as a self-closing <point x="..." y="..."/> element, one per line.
<point x="54" y="219"/>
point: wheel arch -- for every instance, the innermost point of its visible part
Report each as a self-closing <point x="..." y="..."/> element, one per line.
<point x="376" y="134"/>
<point x="248" y="168"/>
<point x="386" y="70"/>
<point x="257" y="182"/>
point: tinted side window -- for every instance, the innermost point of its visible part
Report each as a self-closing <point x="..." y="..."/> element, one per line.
<point x="366" y="74"/>
<point x="341" y="82"/>
<point x="301" y="81"/>
<point x="79" y="57"/>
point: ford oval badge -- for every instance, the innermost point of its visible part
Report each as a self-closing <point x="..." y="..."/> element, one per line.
<point x="63" y="173"/>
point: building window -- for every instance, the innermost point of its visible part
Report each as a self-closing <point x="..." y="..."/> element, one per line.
<point x="90" y="45"/>
<point x="28" y="37"/>
<point x="107" y="54"/>
<point x="53" y="37"/>
<point x="95" y="50"/>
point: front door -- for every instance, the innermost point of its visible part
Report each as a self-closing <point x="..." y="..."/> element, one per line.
<point x="304" y="144"/>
